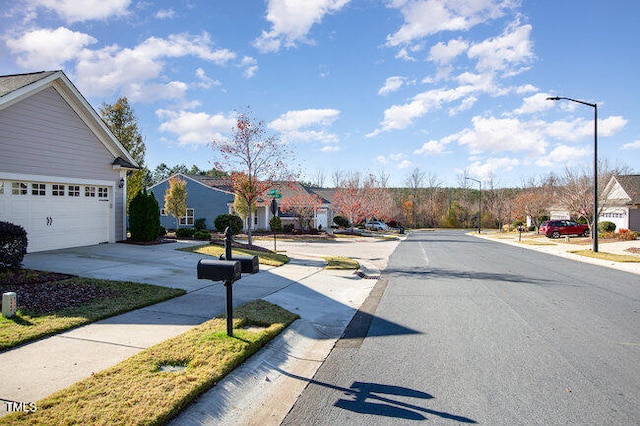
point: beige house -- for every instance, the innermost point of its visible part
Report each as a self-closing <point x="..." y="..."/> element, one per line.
<point x="62" y="172"/>
<point x="623" y="202"/>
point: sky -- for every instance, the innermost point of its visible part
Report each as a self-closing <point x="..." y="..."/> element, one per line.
<point x="369" y="86"/>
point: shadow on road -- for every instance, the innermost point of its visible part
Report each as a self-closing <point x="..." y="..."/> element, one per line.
<point x="376" y="399"/>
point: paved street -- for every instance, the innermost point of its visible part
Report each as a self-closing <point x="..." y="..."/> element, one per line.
<point x="473" y="331"/>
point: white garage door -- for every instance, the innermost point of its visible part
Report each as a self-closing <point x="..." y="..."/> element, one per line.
<point x="57" y="215"/>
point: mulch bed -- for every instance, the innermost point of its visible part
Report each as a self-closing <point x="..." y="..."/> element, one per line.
<point x="45" y="292"/>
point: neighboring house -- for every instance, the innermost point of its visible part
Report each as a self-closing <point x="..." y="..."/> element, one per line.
<point x="207" y="198"/>
<point x="62" y="172"/>
<point x="623" y="202"/>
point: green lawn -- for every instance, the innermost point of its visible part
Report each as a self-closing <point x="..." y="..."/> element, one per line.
<point x="138" y="392"/>
<point x="338" y="262"/>
<point x="113" y="298"/>
<point x="264" y="257"/>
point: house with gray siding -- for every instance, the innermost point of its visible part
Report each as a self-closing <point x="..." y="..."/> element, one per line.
<point x="622" y="205"/>
<point x="62" y="172"/>
<point x="207" y="198"/>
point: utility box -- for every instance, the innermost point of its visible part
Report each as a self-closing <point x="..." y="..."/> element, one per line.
<point x="9" y="304"/>
<point x="249" y="264"/>
<point x="219" y="270"/>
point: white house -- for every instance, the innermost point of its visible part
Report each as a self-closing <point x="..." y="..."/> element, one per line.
<point x="623" y="202"/>
<point x="62" y="172"/>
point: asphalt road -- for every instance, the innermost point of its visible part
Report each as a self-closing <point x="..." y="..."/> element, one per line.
<point x="474" y="331"/>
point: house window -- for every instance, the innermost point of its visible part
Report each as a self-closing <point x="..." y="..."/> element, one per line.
<point x="57" y="190"/>
<point x="1" y="187"/>
<point x="18" y="188"/>
<point x="188" y="219"/>
<point x="163" y="212"/>
<point x="103" y="192"/>
<point x="255" y="220"/>
<point x="74" y="191"/>
<point x="38" y="189"/>
<point x="89" y="191"/>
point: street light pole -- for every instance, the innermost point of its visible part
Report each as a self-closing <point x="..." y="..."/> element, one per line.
<point x="479" y="200"/>
<point x="594" y="225"/>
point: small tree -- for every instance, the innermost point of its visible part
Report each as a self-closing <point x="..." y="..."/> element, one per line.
<point x="303" y="205"/>
<point x="144" y="217"/>
<point x="175" y="198"/>
<point x="13" y="245"/>
<point x="231" y="220"/>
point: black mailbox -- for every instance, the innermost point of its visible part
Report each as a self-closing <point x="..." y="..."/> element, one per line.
<point x="249" y="264"/>
<point x="219" y="270"/>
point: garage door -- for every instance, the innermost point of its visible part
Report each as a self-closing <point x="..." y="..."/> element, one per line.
<point x="57" y="215"/>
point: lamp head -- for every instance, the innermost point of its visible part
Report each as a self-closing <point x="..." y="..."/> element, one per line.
<point x="554" y="98"/>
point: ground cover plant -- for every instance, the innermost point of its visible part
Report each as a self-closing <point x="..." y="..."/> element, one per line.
<point x="339" y="262"/>
<point x="49" y="303"/>
<point x="265" y="257"/>
<point x="138" y="391"/>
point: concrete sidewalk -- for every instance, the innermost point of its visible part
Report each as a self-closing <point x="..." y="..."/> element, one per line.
<point x="325" y="300"/>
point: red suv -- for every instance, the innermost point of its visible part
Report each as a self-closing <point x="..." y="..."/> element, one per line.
<point x="556" y="228"/>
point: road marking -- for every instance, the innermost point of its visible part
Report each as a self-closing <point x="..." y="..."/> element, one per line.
<point x="424" y="254"/>
<point x="629" y="344"/>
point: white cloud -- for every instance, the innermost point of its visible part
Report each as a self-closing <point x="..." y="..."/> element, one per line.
<point x="291" y="21"/>
<point x="195" y="128"/>
<point x="307" y="125"/>
<point x="405" y="164"/>
<point x="505" y="52"/>
<point x="492" y="167"/>
<point x="48" y="49"/>
<point x="611" y="125"/>
<point x="391" y="84"/>
<point x="165" y="14"/>
<point x="205" y="81"/>
<point x="632" y="145"/>
<point x="445" y="53"/>
<point x="331" y="148"/>
<point x="503" y="135"/>
<point x="433" y="147"/>
<point x="562" y="155"/>
<point x="426" y="17"/>
<point x="83" y="10"/>
<point x="581" y="128"/>
<point x="535" y="103"/>
<point x="250" y="66"/>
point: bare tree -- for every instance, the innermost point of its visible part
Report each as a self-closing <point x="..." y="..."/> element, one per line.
<point x="337" y="178"/>
<point x="319" y="178"/>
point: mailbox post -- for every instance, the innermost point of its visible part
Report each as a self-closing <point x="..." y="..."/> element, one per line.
<point x="228" y="271"/>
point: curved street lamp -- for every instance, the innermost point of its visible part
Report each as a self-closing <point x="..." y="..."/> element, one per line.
<point x="594" y="226"/>
<point x="479" y="200"/>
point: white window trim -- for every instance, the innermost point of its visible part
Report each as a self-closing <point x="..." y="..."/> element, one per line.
<point x="188" y="219"/>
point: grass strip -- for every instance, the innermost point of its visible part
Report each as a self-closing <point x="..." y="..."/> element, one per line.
<point x="265" y="258"/>
<point x="536" y="243"/>
<point x="624" y="258"/>
<point x="137" y="392"/>
<point x="122" y="297"/>
<point x="339" y="262"/>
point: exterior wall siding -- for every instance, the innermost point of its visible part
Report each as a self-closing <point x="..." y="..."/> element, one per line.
<point x="634" y="219"/>
<point x="207" y="203"/>
<point x="43" y="136"/>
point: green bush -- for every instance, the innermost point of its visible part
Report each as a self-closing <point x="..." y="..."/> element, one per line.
<point x="185" y="232"/>
<point x="606" y="226"/>
<point x="144" y="217"/>
<point x="202" y="234"/>
<point x="341" y="221"/>
<point x="235" y="222"/>
<point x="13" y="245"/>
<point x="275" y="224"/>
<point x="163" y="231"/>
<point x="199" y="224"/>
<point x="288" y="228"/>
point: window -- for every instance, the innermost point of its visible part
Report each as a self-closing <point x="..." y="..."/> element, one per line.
<point x="188" y="219"/>
<point x="57" y="190"/>
<point x="1" y="187"/>
<point x="89" y="191"/>
<point x="103" y="192"/>
<point x="163" y="212"/>
<point x="73" y="191"/>
<point x="38" y="189"/>
<point x="18" y="188"/>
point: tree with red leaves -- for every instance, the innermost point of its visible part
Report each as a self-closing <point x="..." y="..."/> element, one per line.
<point x="254" y="159"/>
<point x="303" y="205"/>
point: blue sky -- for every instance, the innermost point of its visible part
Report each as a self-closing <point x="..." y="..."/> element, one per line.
<point x="446" y="86"/>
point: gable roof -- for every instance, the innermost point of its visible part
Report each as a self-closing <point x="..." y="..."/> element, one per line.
<point x="14" y="88"/>
<point x="631" y="185"/>
<point x="206" y="181"/>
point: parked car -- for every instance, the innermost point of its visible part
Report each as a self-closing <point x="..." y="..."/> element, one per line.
<point x="376" y="226"/>
<point x="556" y="228"/>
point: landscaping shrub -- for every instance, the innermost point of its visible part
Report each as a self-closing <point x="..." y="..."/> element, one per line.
<point x="144" y="217"/>
<point x="163" y="231"/>
<point x="200" y="224"/>
<point x="626" y="235"/>
<point x="341" y="221"/>
<point x="185" y="232"/>
<point x="393" y="224"/>
<point x="202" y="234"/>
<point x="288" y="228"/>
<point x="275" y="224"/>
<point x="13" y="245"/>
<point x="235" y="222"/>
<point x="606" y="226"/>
